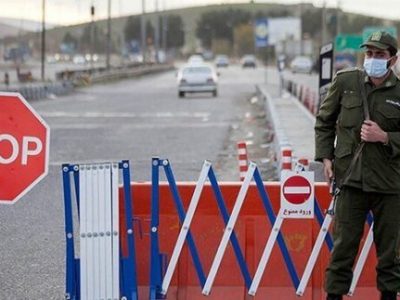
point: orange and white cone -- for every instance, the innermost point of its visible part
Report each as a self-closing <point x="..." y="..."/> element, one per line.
<point x="286" y="163"/>
<point x="243" y="159"/>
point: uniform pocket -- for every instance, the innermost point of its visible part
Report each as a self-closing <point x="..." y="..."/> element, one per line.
<point x="388" y="117"/>
<point x="343" y="150"/>
<point x="343" y="155"/>
<point x="351" y="110"/>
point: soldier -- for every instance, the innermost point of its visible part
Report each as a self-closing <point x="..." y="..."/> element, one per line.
<point x="357" y="137"/>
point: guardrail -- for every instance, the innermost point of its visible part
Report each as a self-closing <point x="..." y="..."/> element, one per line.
<point x="280" y="139"/>
<point x="68" y="80"/>
<point x="308" y="97"/>
<point x="83" y="77"/>
<point x="281" y="142"/>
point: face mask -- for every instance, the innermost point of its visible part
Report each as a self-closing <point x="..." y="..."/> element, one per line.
<point x="376" y="67"/>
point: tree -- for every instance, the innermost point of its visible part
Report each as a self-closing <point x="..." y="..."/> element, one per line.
<point x="244" y="34"/>
<point x="86" y="38"/>
<point x="132" y="30"/>
<point x="175" y="32"/>
<point x="220" y="25"/>
<point x="69" y="39"/>
<point x="149" y="32"/>
<point x="69" y="43"/>
<point x="96" y="41"/>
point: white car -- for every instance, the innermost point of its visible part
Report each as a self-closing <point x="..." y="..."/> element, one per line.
<point x="301" y="64"/>
<point x="197" y="78"/>
<point x="195" y="59"/>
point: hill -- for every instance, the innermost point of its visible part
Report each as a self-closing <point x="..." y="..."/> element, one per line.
<point x="9" y="31"/>
<point x="11" y="27"/>
<point x="190" y="17"/>
<point x="310" y="15"/>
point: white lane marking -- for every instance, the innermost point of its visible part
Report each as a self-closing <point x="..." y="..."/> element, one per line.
<point x="76" y="126"/>
<point x="61" y="114"/>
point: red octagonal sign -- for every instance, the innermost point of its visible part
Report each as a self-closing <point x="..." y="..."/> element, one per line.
<point x="24" y="147"/>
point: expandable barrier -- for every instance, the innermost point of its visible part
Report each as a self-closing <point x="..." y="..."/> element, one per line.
<point x="203" y="240"/>
<point x="100" y="272"/>
<point x="210" y="240"/>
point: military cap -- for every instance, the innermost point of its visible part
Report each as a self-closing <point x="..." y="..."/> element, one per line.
<point x="381" y="40"/>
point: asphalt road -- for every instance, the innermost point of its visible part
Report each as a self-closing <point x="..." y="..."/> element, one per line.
<point x="131" y="119"/>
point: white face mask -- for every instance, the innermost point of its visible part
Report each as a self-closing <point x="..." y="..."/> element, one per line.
<point x="376" y="67"/>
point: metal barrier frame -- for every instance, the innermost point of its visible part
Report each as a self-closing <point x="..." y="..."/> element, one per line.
<point x="127" y="270"/>
<point x="157" y="288"/>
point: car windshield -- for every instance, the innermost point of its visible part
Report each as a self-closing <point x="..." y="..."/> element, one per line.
<point x="197" y="70"/>
<point x="195" y="58"/>
<point x="305" y="60"/>
<point x="249" y="57"/>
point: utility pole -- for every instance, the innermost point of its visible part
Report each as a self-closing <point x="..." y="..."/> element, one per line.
<point x="157" y="32"/>
<point x="338" y="13"/>
<point x="92" y="42"/>
<point x="143" y="31"/>
<point x="301" y="28"/>
<point x="323" y="20"/>
<point x="43" y="50"/>
<point x="108" y="36"/>
<point x="164" y="29"/>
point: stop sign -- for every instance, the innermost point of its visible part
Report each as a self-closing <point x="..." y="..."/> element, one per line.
<point x="24" y="147"/>
<point x="296" y="189"/>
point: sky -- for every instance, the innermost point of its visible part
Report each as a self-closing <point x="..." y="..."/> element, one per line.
<point x="67" y="12"/>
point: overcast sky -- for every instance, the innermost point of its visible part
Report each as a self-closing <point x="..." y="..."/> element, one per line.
<point x="65" y="12"/>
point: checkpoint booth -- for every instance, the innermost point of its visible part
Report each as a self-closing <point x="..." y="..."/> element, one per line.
<point x="222" y="240"/>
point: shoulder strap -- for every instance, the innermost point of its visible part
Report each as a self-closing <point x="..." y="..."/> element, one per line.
<point x="363" y="95"/>
<point x="358" y="151"/>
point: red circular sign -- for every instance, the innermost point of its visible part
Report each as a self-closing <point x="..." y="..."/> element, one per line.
<point x="24" y="149"/>
<point x="296" y="189"/>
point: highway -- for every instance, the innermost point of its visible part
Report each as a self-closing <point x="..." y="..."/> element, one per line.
<point x="135" y="120"/>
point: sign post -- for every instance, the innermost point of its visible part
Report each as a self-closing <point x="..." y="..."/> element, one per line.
<point x="325" y="70"/>
<point x="261" y="33"/>
<point x="24" y="147"/>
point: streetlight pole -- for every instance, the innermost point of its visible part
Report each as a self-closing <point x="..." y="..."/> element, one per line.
<point x="108" y="36"/>
<point x="323" y="20"/>
<point x="43" y="50"/>
<point x="157" y="32"/>
<point x="164" y="29"/>
<point x="301" y="28"/>
<point x="143" y="31"/>
<point x="92" y="36"/>
<point x="338" y="28"/>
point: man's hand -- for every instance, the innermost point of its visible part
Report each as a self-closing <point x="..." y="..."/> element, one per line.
<point x="328" y="171"/>
<point x="371" y="132"/>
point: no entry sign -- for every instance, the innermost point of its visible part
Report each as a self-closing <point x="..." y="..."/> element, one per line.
<point x="24" y="147"/>
<point x="297" y="194"/>
<point x="296" y="189"/>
